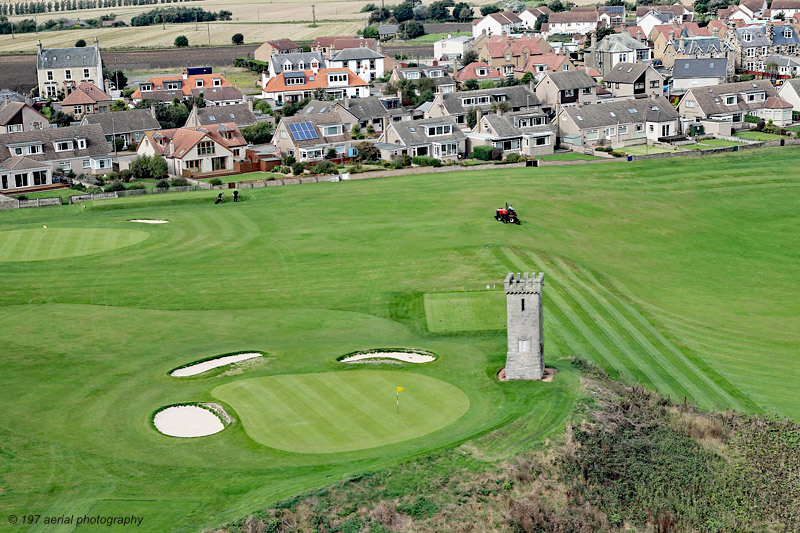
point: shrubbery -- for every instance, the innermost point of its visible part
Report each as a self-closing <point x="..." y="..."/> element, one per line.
<point x="426" y="161"/>
<point x="115" y="186"/>
<point x="179" y="182"/>
<point x="482" y="152"/>
<point x="216" y="181"/>
<point x="298" y="168"/>
<point x="162" y="184"/>
<point x="514" y="158"/>
<point x="324" y="167"/>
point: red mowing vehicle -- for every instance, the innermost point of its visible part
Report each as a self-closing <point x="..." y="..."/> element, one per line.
<point x="507" y="215"/>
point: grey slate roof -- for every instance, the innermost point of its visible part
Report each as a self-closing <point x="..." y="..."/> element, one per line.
<point x="96" y="143"/>
<point x="9" y="111"/>
<point x="619" y="42"/>
<point x="317" y="120"/>
<point x="374" y="107"/>
<point x="571" y="79"/>
<point x="783" y="61"/>
<point x="622" y="112"/>
<point x="67" y="58"/>
<point x="758" y="36"/>
<point x="710" y="99"/>
<point x="12" y="96"/>
<point x="697" y="45"/>
<point x="700" y="68"/>
<point x="626" y="72"/>
<point x="388" y="29"/>
<point x="162" y="95"/>
<point x="353" y="54"/>
<point x="503" y="126"/>
<point x="294" y="58"/>
<point x="218" y="94"/>
<point x="516" y="97"/>
<point x="123" y="121"/>
<point x="239" y="114"/>
<point x="413" y="132"/>
<point x="19" y="162"/>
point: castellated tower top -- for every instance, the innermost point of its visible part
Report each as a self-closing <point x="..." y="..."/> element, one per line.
<point x="524" y="283"/>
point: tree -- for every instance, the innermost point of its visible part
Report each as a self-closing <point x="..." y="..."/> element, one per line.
<point x="771" y="68"/>
<point x="147" y="167"/>
<point x="258" y="133"/>
<point x="80" y="43"/>
<point x="541" y="19"/>
<point x="117" y="77"/>
<point x="237" y="39"/>
<point x="462" y="12"/>
<point x="486" y="84"/>
<point x="426" y="96"/>
<point x="367" y="151"/>
<point x="556" y="6"/>
<point x="411" y="29"/>
<point x="471" y="85"/>
<point x="119" y="105"/>
<point x="158" y="166"/>
<point x="472" y="117"/>
<point x="331" y="154"/>
<point x="438" y="11"/>
<point x="527" y="78"/>
<point x="181" y="41"/>
<point x="371" y="32"/>
<point x="488" y="10"/>
<point x="470" y="57"/>
<point x="404" y="12"/>
<point x="379" y="15"/>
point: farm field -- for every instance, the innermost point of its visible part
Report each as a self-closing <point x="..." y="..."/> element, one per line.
<point x="679" y="274"/>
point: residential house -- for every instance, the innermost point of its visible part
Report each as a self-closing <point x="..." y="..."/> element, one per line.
<point x="790" y="92"/>
<point x="365" y="62"/>
<point x="19" y="116"/>
<point x="778" y="111"/>
<point x="278" y="46"/>
<point x="737" y="14"/>
<point x="290" y="87"/>
<point x="694" y="48"/>
<point x="782" y="67"/>
<point x="240" y="114"/>
<point x="478" y="72"/>
<point x="19" y="173"/>
<point x="527" y="132"/>
<point x="375" y="111"/>
<point x="328" y="46"/>
<point x="788" y="8"/>
<point x="196" y="151"/>
<point x="180" y="86"/>
<point x="226" y="95"/>
<point x="619" y="123"/>
<point x="728" y="102"/>
<point x="452" y="47"/>
<point x="81" y="149"/>
<point x="442" y="81"/>
<point x="86" y="99"/>
<point x="613" y="49"/>
<point x="612" y="16"/>
<point x="293" y="62"/>
<point x="7" y="95"/>
<point x="560" y="89"/>
<point x="532" y="14"/>
<point x="637" y="80"/>
<point x="653" y="15"/>
<point x="388" y="31"/>
<point x="457" y="105"/>
<point x="505" y="23"/>
<point x="129" y="126"/>
<point x="60" y="70"/>
<point x="665" y="33"/>
<point x="438" y="137"/>
<point x="753" y="45"/>
<point x="719" y="26"/>
<point x="572" y="22"/>
<point x="540" y="65"/>
<point x="309" y="137"/>
<point x="689" y="73"/>
<point x="508" y="54"/>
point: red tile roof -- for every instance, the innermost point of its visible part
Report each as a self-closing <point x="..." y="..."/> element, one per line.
<point x="86" y="93"/>
<point x="470" y="73"/>
<point x="184" y="139"/>
<point x="186" y="85"/>
<point x="551" y="62"/>
<point x="318" y="80"/>
<point x="498" y="44"/>
<point x="776" y="102"/>
<point x="283" y="44"/>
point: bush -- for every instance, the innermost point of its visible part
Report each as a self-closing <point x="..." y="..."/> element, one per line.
<point x="22" y="197"/>
<point x="324" y="167"/>
<point x="136" y="186"/>
<point x="179" y="182"/>
<point x="617" y="154"/>
<point x="162" y="184"/>
<point x="216" y="181"/>
<point x="482" y="152"/>
<point x="181" y="41"/>
<point x="752" y="119"/>
<point x="514" y="158"/>
<point x="426" y="161"/>
<point x="237" y="38"/>
<point x="80" y="43"/>
<point x="298" y="168"/>
<point x="115" y="186"/>
<point x="126" y="175"/>
<point x="401" y="161"/>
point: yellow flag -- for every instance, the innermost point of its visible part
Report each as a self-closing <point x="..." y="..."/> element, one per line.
<point x="399" y="389"/>
<point x="44" y="226"/>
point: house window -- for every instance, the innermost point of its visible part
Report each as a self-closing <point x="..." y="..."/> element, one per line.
<point x="787" y="33"/>
<point x="49" y="75"/>
<point x="34" y="149"/>
<point x="86" y="73"/>
<point x="480" y="72"/>
<point x="623" y="130"/>
<point x="287" y="66"/>
<point x="336" y="78"/>
<point x="198" y="83"/>
<point x="412" y="75"/>
<point x="730" y="100"/>
<point x="18" y="150"/>
<point x="542" y="141"/>
<point x="67" y="74"/>
<point x="193" y="165"/>
<point x="623" y="58"/>
<point x="654" y="84"/>
<point x="21" y="180"/>
<point x="587" y="90"/>
<point x="524" y="345"/>
<point x="295" y="81"/>
<point x="445" y="129"/>
<point x="172" y="86"/>
<point x="40" y="177"/>
<point x="205" y="147"/>
<point x="651" y="128"/>
<point x="81" y="144"/>
<point x="737" y="117"/>
<point x="638" y="128"/>
<point x="329" y="131"/>
<point x="690" y="103"/>
<point x="591" y="135"/>
<point x="87" y="163"/>
<point x="746" y="37"/>
<point x="65" y="165"/>
<point x="218" y="163"/>
<point x="569" y="93"/>
<point x="63" y="146"/>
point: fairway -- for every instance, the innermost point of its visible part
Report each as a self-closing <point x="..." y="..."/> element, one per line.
<point x="677" y="274"/>
<point x="465" y="311"/>
<point x="342" y="411"/>
<point x="57" y="243"/>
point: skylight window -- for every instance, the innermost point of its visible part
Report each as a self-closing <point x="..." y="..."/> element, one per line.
<point x="631" y="111"/>
<point x="612" y="113"/>
<point x="579" y="117"/>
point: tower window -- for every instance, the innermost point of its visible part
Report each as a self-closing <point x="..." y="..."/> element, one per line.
<point x="524" y="345"/>
<point x="523" y="304"/>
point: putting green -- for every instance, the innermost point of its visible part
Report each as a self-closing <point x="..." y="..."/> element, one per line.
<point x="341" y="411"/>
<point x="465" y="311"/>
<point x="41" y="244"/>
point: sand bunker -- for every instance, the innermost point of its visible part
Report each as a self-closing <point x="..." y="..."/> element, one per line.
<point x="204" y="366"/>
<point x="406" y="357"/>
<point x="149" y="221"/>
<point x="187" y="421"/>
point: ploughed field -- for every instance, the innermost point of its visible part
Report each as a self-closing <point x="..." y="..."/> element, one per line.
<point x="679" y="274"/>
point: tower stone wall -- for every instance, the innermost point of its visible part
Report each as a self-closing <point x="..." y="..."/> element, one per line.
<point x="525" y="357"/>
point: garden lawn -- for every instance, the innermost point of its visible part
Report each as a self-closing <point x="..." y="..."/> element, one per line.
<point x="251" y="176"/>
<point x="758" y="136"/>
<point x="678" y="274"/>
<point x="52" y="193"/>
<point x="644" y="150"/>
<point x="569" y="156"/>
<point x="720" y="142"/>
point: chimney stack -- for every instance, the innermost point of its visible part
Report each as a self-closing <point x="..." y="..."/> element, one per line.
<point x="39" y="46"/>
<point x="455" y="66"/>
<point x="639" y="35"/>
<point x="770" y="32"/>
<point x="250" y="104"/>
<point x="594" y="40"/>
<point x="153" y="110"/>
<point x="478" y="114"/>
<point x="671" y="35"/>
<point x="185" y="74"/>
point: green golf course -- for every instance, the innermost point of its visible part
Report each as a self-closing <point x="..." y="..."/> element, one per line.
<point x="677" y="274"/>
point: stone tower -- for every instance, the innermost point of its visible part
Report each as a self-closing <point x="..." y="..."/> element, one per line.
<point x="525" y="358"/>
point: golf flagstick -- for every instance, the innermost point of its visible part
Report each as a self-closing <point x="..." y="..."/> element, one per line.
<point x="44" y="227"/>
<point x="399" y="389"/>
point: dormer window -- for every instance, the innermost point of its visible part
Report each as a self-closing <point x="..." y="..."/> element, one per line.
<point x="198" y="83"/>
<point x="172" y="86"/>
<point x="443" y="129"/>
<point x="747" y="37"/>
<point x="337" y="77"/>
<point x="412" y="75"/>
<point x="301" y="66"/>
<point x="287" y="66"/>
<point x="295" y="81"/>
<point x="331" y="131"/>
<point x="146" y="87"/>
<point x="481" y="72"/>
<point x="730" y="99"/>
<point x="787" y="33"/>
<point x="435" y="74"/>
<point x="508" y="57"/>
<point x="81" y="144"/>
<point x="63" y="146"/>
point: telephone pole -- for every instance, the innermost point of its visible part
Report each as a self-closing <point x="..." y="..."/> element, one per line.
<point x="208" y="27"/>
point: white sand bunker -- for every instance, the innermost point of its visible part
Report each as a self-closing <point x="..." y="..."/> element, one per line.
<point x="406" y="357"/>
<point x="187" y="421"/>
<point x="149" y="221"/>
<point x="205" y="366"/>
